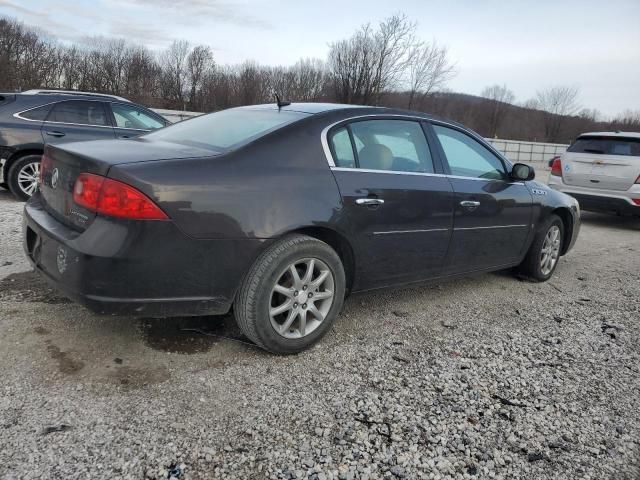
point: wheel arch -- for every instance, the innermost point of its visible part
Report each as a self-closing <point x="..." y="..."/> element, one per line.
<point x="567" y="222"/>
<point x="339" y="243"/>
<point x="17" y="155"/>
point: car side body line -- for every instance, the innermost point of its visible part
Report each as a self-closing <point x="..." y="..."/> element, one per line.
<point x="390" y="232"/>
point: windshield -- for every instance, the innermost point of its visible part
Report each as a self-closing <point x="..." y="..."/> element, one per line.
<point x="607" y="146"/>
<point x="226" y="129"/>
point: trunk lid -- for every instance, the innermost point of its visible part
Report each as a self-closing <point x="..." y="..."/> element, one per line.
<point x="62" y="164"/>
<point x="602" y="163"/>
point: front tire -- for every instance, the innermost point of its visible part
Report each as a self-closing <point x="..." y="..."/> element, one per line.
<point x="544" y="253"/>
<point x="291" y="295"/>
<point x="22" y="178"/>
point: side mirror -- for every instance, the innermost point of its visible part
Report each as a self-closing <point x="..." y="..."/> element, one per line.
<point x="522" y="172"/>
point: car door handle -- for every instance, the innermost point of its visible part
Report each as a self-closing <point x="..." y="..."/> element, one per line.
<point x="55" y="133"/>
<point x="471" y="204"/>
<point x="369" y="201"/>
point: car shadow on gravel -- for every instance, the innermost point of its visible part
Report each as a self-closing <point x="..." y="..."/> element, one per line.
<point x="7" y="196"/>
<point x="189" y="335"/>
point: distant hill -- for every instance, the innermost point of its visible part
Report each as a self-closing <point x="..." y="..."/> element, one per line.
<point x="518" y="122"/>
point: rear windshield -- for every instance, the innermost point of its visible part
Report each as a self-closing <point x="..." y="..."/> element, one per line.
<point x="607" y="146"/>
<point x="225" y="129"/>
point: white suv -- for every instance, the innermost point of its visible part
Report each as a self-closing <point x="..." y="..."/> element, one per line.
<point x="602" y="171"/>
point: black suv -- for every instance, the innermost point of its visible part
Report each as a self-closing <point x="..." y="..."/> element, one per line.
<point x="31" y="119"/>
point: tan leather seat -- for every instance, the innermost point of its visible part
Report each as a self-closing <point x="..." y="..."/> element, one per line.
<point x="376" y="157"/>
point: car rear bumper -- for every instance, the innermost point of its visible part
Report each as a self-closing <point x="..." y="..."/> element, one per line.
<point x="598" y="200"/>
<point x="139" y="268"/>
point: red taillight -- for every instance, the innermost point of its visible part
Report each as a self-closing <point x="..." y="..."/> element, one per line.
<point x="556" y="167"/>
<point x="115" y="199"/>
<point x="636" y="201"/>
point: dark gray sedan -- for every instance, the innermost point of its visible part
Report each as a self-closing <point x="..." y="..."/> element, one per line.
<point x="278" y="212"/>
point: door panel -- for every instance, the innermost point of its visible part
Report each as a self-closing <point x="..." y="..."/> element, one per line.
<point x="403" y="239"/>
<point x="495" y="231"/>
<point x="492" y="218"/>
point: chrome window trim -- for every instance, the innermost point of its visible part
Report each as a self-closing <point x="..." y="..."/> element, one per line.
<point x="423" y="174"/>
<point x="327" y="150"/>
<point x="388" y="172"/>
<point x="18" y="114"/>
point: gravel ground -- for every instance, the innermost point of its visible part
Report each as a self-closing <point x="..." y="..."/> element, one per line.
<point x="488" y="377"/>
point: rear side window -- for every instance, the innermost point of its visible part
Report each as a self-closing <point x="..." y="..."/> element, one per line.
<point x="38" y="114"/>
<point x="607" y="146"/>
<point x="129" y="116"/>
<point x="79" y="112"/>
<point x="467" y="157"/>
<point x="393" y="145"/>
<point x="226" y="129"/>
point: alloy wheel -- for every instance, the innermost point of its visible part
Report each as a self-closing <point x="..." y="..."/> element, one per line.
<point x="28" y="178"/>
<point x="550" y="250"/>
<point x="301" y="298"/>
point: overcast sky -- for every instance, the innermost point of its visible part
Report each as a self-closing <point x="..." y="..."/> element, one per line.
<point x="528" y="45"/>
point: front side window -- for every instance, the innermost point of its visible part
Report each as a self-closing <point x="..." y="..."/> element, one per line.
<point x="393" y="145"/>
<point x="467" y="157"/>
<point x="226" y="129"/>
<point x="79" y="112"/>
<point x="129" y="116"/>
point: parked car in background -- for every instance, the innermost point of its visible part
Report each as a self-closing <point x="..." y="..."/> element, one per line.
<point x="279" y="211"/>
<point x="602" y="171"/>
<point x="31" y="119"/>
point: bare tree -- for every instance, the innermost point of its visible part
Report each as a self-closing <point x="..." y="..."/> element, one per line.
<point x="370" y="62"/>
<point x="628" y="120"/>
<point x="309" y="77"/>
<point x="199" y="62"/>
<point x="392" y="42"/>
<point x="557" y="103"/>
<point x="429" y="69"/>
<point x="175" y="74"/>
<point x="499" y="97"/>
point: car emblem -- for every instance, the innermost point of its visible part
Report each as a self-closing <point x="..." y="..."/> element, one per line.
<point x="54" y="178"/>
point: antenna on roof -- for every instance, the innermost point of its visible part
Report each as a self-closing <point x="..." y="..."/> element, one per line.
<point x="279" y="102"/>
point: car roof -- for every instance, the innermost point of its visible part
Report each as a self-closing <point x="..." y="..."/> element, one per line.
<point x="319" y="108"/>
<point x="611" y="134"/>
<point x="302" y="107"/>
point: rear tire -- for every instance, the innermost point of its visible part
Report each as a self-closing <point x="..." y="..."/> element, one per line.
<point x="543" y="255"/>
<point x="291" y="295"/>
<point x="22" y="176"/>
